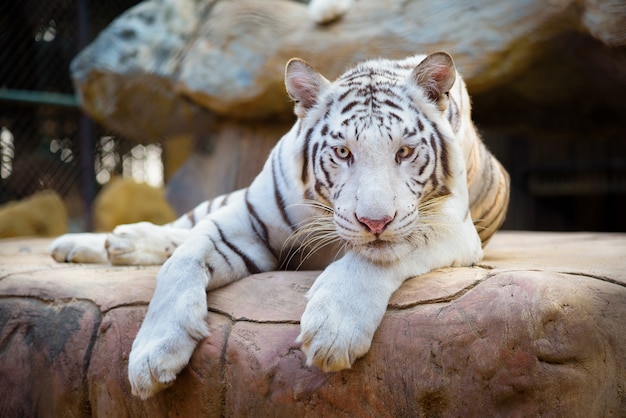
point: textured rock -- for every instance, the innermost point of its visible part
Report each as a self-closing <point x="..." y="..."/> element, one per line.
<point x="155" y="69"/>
<point x="535" y="330"/>
<point x="45" y="348"/>
<point x="234" y="154"/>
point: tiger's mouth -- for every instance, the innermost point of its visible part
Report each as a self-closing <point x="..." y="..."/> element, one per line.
<point x="379" y="244"/>
<point x="381" y="250"/>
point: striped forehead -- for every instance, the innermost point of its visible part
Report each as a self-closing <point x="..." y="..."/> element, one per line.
<point x="370" y="98"/>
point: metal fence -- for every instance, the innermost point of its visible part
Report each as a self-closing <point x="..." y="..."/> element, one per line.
<point x="46" y="142"/>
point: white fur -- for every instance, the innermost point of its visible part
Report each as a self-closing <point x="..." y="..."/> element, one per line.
<point x="79" y="248"/>
<point x="175" y="321"/>
<point x="142" y="243"/>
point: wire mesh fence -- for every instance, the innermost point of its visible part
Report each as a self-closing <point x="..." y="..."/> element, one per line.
<point x="46" y="141"/>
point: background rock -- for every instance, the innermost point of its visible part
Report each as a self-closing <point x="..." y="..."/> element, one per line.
<point x="154" y="69"/>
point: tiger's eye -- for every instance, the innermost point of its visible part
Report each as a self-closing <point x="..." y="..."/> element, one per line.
<point x="404" y="152"/>
<point x="343" y="152"/>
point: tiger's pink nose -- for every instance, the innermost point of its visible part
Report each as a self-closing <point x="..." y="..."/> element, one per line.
<point x="376" y="226"/>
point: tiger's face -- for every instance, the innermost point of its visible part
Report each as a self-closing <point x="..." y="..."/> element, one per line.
<point x="374" y="153"/>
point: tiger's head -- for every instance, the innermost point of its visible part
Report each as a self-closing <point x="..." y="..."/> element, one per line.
<point x="378" y="149"/>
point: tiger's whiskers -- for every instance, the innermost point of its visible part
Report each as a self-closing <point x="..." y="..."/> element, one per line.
<point x="431" y="220"/>
<point x="311" y="235"/>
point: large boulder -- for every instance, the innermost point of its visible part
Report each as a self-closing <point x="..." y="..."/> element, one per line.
<point x="536" y="329"/>
<point x="163" y="64"/>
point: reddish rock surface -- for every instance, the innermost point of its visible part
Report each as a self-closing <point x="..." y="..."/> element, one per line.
<point x="537" y="329"/>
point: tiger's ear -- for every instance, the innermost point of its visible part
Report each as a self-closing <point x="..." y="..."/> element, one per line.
<point x="304" y="84"/>
<point x="435" y="75"/>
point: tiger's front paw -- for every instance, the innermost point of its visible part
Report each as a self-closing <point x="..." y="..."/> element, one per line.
<point x="176" y="320"/>
<point x="331" y="338"/>
<point x="79" y="248"/>
<point x="158" y="355"/>
<point x="142" y="243"/>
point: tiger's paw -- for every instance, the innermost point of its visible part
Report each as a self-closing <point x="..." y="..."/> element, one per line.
<point x="330" y="338"/>
<point x="158" y="355"/>
<point x="79" y="248"/>
<point x="167" y="338"/>
<point x="142" y="243"/>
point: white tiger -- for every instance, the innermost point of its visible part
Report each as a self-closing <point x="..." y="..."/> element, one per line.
<point x="378" y="162"/>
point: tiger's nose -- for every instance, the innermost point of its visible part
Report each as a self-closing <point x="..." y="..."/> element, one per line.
<point x="376" y="226"/>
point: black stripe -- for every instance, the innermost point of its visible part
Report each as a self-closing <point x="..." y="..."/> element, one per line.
<point x="337" y="193"/>
<point x="209" y="268"/>
<point x="416" y="181"/>
<point x="305" y="156"/>
<point x="299" y="125"/>
<point x="329" y="106"/>
<point x="281" y="169"/>
<point x="401" y="220"/>
<point x="389" y="92"/>
<point x="344" y="123"/>
<point x="329" y="182"/>
<point x="209" y="207"/>
<point x="443" y="154"/>
<point x="191" y="217"/>
<point x="392" y="104"/>
<point x="225" y="200"/>
<point x="434" y="146"/>
<point x="408" y="134"/>
<point x="344" y="95"/>
<point x="453" y="114"/>
<point x="255" y="220"/>
<point x="316" y="147"/>
<point x="250" y="265"/>
<point x="278" y="197"/>
<point x="423" y="167"/>
<point x="221" y="253"/>
<point x="486" y="172"/>
<point x="349" y="106"/>
<point x="491" y="205"/>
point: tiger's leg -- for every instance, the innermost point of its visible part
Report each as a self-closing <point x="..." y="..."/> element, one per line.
<point x="141" y="243"/>
<point x="349" y="299"/>
<point x="222" y="248"/>
<point x="346" y="305"/>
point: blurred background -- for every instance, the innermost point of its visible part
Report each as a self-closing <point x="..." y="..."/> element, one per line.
<point x="46" y="141"/>
<point x="559" y="127"/>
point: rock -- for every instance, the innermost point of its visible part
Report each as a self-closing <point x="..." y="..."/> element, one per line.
<point x="226" y="159"/>
<point x="123" y="201"/>
<point x="41" y="214"/>
<point x="159" y="67"/>
<point x="536" y="329"/>
<point x="46" y="349"/>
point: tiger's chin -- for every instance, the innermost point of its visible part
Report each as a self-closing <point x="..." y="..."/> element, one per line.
<point x="382" y="251"/>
